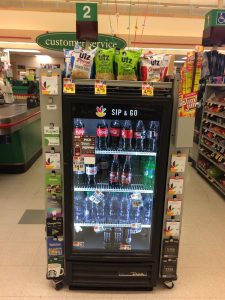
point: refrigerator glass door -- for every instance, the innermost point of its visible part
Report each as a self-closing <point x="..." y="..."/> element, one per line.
<point x="114" y="170"/>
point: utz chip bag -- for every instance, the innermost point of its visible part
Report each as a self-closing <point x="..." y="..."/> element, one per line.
<point x="104" y="61"/>
<point x="151" y="67"/>
<point x="127" y="64"/>
<point x="83" y="63"/>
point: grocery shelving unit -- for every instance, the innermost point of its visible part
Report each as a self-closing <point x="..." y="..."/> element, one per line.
<point x="211" y="148"/>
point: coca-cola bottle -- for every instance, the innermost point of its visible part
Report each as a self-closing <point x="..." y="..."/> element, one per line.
<point x="102" y="133"/>
<point x="91" y="171"/>
<point x="115" y="129"/>
<point x="79" y="128"/>
<point x="103" y="168"/>
<point x="151" y="137"/>
<point x="127" y="135"/>
<point x="126" y="172"/>
<point x="139" y="135"/>
<point x="114" y="172"/>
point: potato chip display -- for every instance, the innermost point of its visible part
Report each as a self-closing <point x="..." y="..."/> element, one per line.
<point x="104" y="61"/>
<point x="127" y="64"/>
<point x="151" y="67"/>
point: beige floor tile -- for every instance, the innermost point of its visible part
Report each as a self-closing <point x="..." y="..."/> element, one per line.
<point x="40" y="258"/>
<point x="12" y="280"/>
<point x="10" y="216"/>
<point x="28" y="233"/>
<point x="18" y="253"/>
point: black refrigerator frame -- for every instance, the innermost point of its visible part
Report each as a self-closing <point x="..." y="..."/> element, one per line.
<point x="109" y="270"/>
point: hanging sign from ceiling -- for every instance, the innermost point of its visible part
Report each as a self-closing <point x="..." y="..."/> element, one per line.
<point x="58" y="41"/>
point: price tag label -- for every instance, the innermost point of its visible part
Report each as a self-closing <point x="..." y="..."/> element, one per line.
<point x="68" y="86"/>
<point x="78" y="167"/>
<point x="97" y="197"/>
<point x="135" y="228"/>
<point x="147" y="89"/>
<point x="100" y="87"/>
<point x="125" y="247"/>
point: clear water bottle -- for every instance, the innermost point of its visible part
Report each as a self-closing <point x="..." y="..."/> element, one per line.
<point x="100" y="212"/>
<point x="108" y="238"/>
<point x="136" y="209"/>
<point x="139" y="136"/>
<point x="114" y="208"/>
<point x="79" y="207"/>
<point x="118" y="237"/>
<point x="147" y="209"/>
<point x="125" y="209"/>
<point x="127" y="236"/>
<point x="89" y="210"/>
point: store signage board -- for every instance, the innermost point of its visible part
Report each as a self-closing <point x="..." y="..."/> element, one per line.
<point x="58" y="41"/>
<point x="215" y="17"/>
<point x="86" y="12"/>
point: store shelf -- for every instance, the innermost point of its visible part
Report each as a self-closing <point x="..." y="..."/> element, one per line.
<point x="212" y="161"/>
<point x="215" y="84"/>
<point x="120" y="152"/>
<point x="215" y="102"/>
<point x="211" y="149"/>
<point x="213" y="141"/>
<point x="107" y="188"/>
<point x="125" y="83"/>
<point x="218" y="114"/>
<point x="213" y="122"/>
<point x="213" y="181"/>
<point x="214" y="132"/>
<point x="105" y="225"/>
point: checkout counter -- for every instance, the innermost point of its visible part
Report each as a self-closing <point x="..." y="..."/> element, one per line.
<point x="20" y="137"/>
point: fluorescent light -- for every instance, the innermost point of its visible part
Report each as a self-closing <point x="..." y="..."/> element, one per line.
<point x="18" y="43"/>
<point x="179" y="61"/>
<point x="23" y="50"/>
<point x="184" y="57"/>
<point x="45" y="59"/>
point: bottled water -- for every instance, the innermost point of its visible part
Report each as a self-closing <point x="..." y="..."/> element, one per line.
<point x="100" y="211"/>
<point x="114" y="207"/>
<point x="125" y="209"/>
<point x="79" y="207"/>
<point x="147" y="209"/>
<point x="89" y="210"/>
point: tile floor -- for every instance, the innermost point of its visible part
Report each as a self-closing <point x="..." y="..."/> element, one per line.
<point x="201" y="269"/>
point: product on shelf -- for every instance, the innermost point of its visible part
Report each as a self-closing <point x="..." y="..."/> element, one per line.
<point x="127" y="64"/>
<point x="127" y="135"/>
<point x="139" y="136"/>
<point x="89" y="210"/>
<point x="79" y="129"/>
<point x="126" y="175"/>
<point x="114" y="176"/>
<point x="124" y="209"/>
<point x="91" y="172"/>
<point x="102" y="135"/>
<point x="104" y="64"/>
<point x="151" y="136"/>
<point x="149" y="173"/>
<point x="115" y="131"/>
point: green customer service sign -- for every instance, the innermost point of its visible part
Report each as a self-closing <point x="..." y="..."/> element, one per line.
<point x="58" y="41"/>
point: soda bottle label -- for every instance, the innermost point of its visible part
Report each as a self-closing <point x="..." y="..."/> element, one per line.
<point x="114" y="177"/>
<point x="102" y="132"/>
<point x="91" y="170"/>
<point x="127" y="134"/>
<point x="139" y="135"/>
<point x="115" y="132"/>
<point x="126" y="178"/>
<point x="79" y="131"/>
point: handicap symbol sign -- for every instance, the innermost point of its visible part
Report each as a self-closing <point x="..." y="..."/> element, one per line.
<point x="220" y="20"/>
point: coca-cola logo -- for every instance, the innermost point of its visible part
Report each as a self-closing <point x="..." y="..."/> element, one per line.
<point x="102" y="132"/>
<point x="127" y="134"/>
<point x="115" y="132"/>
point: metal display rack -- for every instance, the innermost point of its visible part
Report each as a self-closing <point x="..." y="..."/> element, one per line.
<point x="212" y="153"/>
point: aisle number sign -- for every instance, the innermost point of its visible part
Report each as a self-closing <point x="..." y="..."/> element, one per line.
<point x="86" y="12"/>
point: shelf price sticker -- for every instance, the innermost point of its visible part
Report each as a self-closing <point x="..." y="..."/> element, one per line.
<point x="135" y="228"/>
<point x="100" y="87"/>
<point x="68" y="86"/>
<point x="78" y="167"/>
<point x="147" y="89"/>
<point x="125" y="247"/>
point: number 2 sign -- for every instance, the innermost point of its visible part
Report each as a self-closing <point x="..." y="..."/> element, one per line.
<point x="86" y="12"/>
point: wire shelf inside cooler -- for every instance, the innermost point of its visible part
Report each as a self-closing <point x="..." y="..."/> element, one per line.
<point x="105" y="225"/>
<point x="120" y="152"/>
<point x="136" y="185"/>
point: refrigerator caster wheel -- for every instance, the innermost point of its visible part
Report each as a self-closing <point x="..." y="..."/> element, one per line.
<point x="168" y="284"/>
<point x="58" y="284"/>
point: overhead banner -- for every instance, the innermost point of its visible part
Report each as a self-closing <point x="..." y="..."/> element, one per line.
<point x="58" y="41"/>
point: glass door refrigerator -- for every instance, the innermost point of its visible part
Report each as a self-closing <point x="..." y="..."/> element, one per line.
<point x="115" y="151"/>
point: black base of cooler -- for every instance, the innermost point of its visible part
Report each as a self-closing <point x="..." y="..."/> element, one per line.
<point x="106" y="275"/>
<point x="20" y="168"/>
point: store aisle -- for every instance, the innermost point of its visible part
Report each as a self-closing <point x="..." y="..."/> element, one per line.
<point x="201" y="269"/>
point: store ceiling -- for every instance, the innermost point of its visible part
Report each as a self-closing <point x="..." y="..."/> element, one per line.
<point x="176" y="8"/>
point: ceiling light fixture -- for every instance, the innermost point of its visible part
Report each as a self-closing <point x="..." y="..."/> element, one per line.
<point x="23" y="50"/>
<point x="179" y="61"/>
<point x="17" y="43"/>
